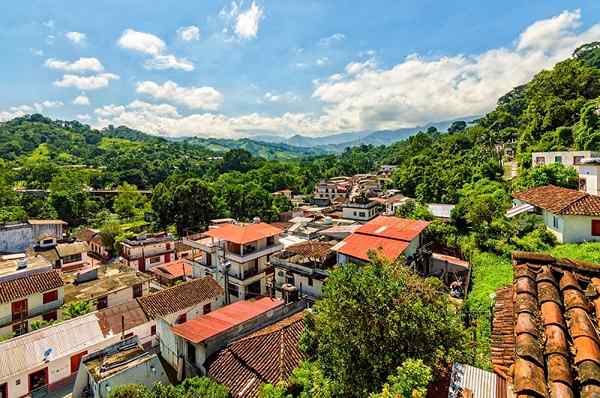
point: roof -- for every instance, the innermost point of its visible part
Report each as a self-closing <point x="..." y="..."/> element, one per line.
<point x="358" y="246"/>
<point x="311" y="248"/>
<point x="561" y="201"/>
<point x="102" y="367"/>
<point x="393" y="228"/>
<point x="481" y="383"/>
<point x="243" y="233"/>
<point x="130" y="314"/>
<point x="46" y="222"/>
<point x="13" y="289"/>
<point x="174" y="269"/>
<point x="556" y="349"/>
<point x="180" y="297"/>
<point x="283" y="225"/>
<point x="86" y="234"/>
<point x="224" y="319"/>
<point x="149" y="239"/>
<point x="516" y="210"/>
<point x="21" y="354"/>
<point x="9" y="265"/>
<point x="440" y="210"/>
<point x="450" y="260"/>
<point x="69" y="249"/>
<point x="267" y="356"/>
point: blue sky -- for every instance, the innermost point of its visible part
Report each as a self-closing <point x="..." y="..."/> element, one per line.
<point x="231" y="69"/>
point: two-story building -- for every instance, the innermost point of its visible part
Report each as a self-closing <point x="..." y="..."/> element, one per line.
<point x="148" y="251"/>
<point x="93" y="238"/>
<point x="30" y="290"/>
<point x="17" y="237"/>
<point x="328" y="191"/>
<point x="359" y="211"/>
<point x="587" y="164"/>
<point x="238" y="253"/>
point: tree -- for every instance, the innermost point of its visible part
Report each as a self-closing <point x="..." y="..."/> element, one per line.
<point x="237" y="160"/>
<point x="129" y="201"/>
<point x="108" y="233"/>
<point x="76" y="308"/>
<point x="457" y="126"/>
<point x="414" y="210"/>
<point x="409" y="381"/>
<point x="371" y="318"/>
<point x="200" y="387"/>
<point x="548" y="174"/>
<point x="194" y="205"/>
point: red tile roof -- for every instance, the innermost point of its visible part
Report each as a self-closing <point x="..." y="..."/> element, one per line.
<point x="555" y="311"/>
<point x="224" y="319"/>
<point x="267" y="356"/>
<point x="129" y="314"/>
<point x="174" y="269"/>
<point x="180" y="297"/>
<point x="311" y="248"/>
<point x="561" y="201"/>
<point x="243" y="233"/>
<point x="390" y="235"/>
<point x="14" y="289"/>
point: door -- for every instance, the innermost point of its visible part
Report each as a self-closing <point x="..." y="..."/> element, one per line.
<point x="168" y="258"/>
<point x="595" y="227"/>
<point x="76" y="361"/>
<point x="38" y="379"/>
<point x="4" y="390"/>
<point x="19" y="310"/>
<point x="142" y="264"/>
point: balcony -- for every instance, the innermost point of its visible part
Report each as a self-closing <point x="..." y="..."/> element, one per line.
<point x="254" y="254"/>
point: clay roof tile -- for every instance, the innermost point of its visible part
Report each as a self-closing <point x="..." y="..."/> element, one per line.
<point x="529" y="378"/>
<point x="556" y="341"/>
<point x="526" y="324"/>
<point x="552" y="314"/>
<point x="528" y="347"/>
<point x="586" y="349"/>
<point x="559" y="369"/>
<point x="526" y="285"/>
<point x="568" y="281"/>
<point x="526" y="303"/>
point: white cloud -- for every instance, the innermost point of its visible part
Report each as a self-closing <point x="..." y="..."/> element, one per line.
<point x="22" y="110"/>
<point x="322" y="61"/>
<point x="86" y="82"/>
<point x="83" y="117"/>
<point x="76" y="37"/>
<point x="336" y="77"/>
<point x="154" y="46"/>
<point x="354" y="68"/>
<point x="192" y="97"/>
<point x="81" y="100"/>
<point x="141" y="42"/>
<point x="244" y="23"/>
<point x="162" y="62"/>
<point x="334" y="38"/>
<point x="287" y="97"/>
<point x="189" y="33"/>
<point x="81" y="65"/>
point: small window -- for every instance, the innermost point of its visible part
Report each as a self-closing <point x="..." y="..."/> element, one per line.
<point x="50" y="297"/>
<point x="361" y="214"/>
<point x="20" y="328"/>
<point x="540" y="160"/>
<point x="577" y="159"/>
<point x="137" y="290"/>
<point x="153" y="330"/>
<point x="181" y="318"/>
<point x="555" y="222"/>
<point x="310" y="281"/>
<point x="558" y="159"/>
<point x="234" y="290"/>
<point x="206" y="308"/>
<point x="595" y="227"/>
<point x="50" y="316"/>
<point x="154" y="260"/>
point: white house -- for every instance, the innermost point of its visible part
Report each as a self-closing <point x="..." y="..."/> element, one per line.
<point x="572" y="216"/>
<point x="360" y="211"/>
<point x="587" y="164"/>
<point x="148" y="251"/>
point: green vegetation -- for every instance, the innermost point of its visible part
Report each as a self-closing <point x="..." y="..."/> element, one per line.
<point x="410" y="381"/>
<point x="589" y="251"/>
<point x="201" y="387"/>
<point x="76" y="308"/>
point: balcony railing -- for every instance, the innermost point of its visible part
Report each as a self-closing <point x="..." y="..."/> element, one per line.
<point x="242" y="258"/>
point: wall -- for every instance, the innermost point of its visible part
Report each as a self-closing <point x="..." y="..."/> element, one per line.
<point x="36" y="310"/>
<point x="16" y="239"/>
<point x="55" y="230"/>
<point x="590" y="173"/>
<point x="567" y="156"/>
<point x="140" y="374"/>
<point x="578" y="229"/>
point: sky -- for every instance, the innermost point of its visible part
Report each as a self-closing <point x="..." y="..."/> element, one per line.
<point x="232" y="69"/>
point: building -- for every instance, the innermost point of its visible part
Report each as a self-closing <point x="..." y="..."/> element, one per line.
<point x="30" y="290"/>
<point x="124" y="362"/>
<point x="173" y="272"/>
<point x="284" y="192"/>
<point x="468" y="381"/>
<point x="440" y="211"/>
<point x="544" y="340"/>
<point x="328" y="191"/>
<point x="246" y="364"/>
<point x="127" y="320"/>
<point x="17" y="237"/>
<point x="187" y="346"/>
<point x="360" y="211"/>
<point x="304" y="266"/>
<point x="572" y="216"/>
<point x="105" y="286"/>
<point x="244" y="249"/>
<point x="47" y="359"/>
<point x="93" y="238"/>
<point x="148" y="251"/>
<point x="587" y="164"/>
<point x="391" y="236"/>
<point x="589" y="176"/>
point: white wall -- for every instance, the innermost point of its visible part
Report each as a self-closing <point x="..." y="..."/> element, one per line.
<point x="591" y="174"/>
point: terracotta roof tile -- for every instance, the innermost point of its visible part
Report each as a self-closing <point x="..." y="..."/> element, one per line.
<point x="243" y="233"/>
<point x="559" y="200"/>
<point x="11" y="290"/>
<point x="267" y="356"/>
<point x="180" y="297"/>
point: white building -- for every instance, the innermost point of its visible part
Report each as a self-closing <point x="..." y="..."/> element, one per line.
<point x="360" y="211"/>
<point x="148" y="251"/>
<point x="16" y="237"/>
<point x="572" y="216"/>
<point x="587" y="164"/>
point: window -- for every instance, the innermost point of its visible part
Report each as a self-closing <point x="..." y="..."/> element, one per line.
<point x="206" y="308"/>
<point x="168" y="246"/>
<point x="540" y="160"/>
<point x="361" y="214"/>
<point x="102" y="302"/>
<point x="137" y="290"/>
<point x="181" y="318"/>
<point x="154" y="260"/>
<point x="555" y="222"/>
<point x="595" y="227"/>
<point x="310" y="281"/>
<point x="72" y="258"/>
<point x="49" y="297"/>
<point x="290" y="278"/>
<point x="582" y="184"/>
<point x="153" y="330"/>
<point x="20" y="310"/>
<point x="558" y="159"/>
<point x="234" y="290"/>
<point x="48" y="241"/>
<point x="76" y="361"/>
<point x="577" y="159"/>
<point x="50" y="316"/>
<point x="20" y="328"/>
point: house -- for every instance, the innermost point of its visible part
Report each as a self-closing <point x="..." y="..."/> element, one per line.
<point x="170" y="273"/>
<point x="47" y="359"/>
<point x="392" y="236"/>
<point x="246" y="364"/>
<point x="284" y="192"/>
<point x="391" y="202"/>
<point x="359" y="211"/>
<point x="124" y="362"/>
<point x="327" y="191"/>
<point x="241" y="249"/>
<point x="65" y="256"/>
<point x="469" y="381"/>
<point x="440" y="211"/>
<point x="148" y="251"/>
<point x="544" y="340"/>
<point x="188" y="345"/>
<point x="387" y="169"/>
<point x="587" y="164"/>
<point x="572" y="216"/>
<point x="105" y="286"/>
<point x="30" y="290"/>
<point x="303" y="265"/>
<point x="17" y="237"/>
<point x="126" y="320"/>
<point x="93" y="238"/>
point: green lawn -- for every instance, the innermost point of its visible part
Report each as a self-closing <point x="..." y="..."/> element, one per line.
<point x="578" y="251"/>
<point x="489" y="272"/>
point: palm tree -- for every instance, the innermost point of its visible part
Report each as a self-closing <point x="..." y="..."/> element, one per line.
<point x="76" y="308"/>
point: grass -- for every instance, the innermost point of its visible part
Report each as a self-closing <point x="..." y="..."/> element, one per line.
<point x="578" y="251"/>
<point x="489" y="273"/>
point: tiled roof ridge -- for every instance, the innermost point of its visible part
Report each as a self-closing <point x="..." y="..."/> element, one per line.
<point x="277" y="327"/>
<point x="567" y="206"/>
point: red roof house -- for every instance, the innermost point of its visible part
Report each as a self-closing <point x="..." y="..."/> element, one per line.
<point x="243" y="233"/>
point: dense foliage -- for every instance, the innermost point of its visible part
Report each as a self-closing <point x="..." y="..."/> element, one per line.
<point x="199" y="387"/>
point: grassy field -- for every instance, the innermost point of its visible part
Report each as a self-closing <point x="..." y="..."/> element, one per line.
<point x="490" y="272"/>
<point x="582" y="251"/>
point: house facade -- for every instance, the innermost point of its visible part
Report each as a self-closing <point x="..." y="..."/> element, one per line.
<point x="17" y="237"/>
<point x="587" y="164"/>
<point x="361" y="212"/>
<point x="328" y="191"/>
<point x="148" y="251"/>
<point x="241" y="250"/>
<point x="93" y="238"/>
<point x="572" y="216"/>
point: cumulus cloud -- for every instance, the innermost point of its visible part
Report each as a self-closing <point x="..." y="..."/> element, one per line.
<point x="244" y="23"/>
<point x="84" y="117"/>
<point x="76" y="37"/>
<point x="81" y="65"/>
<point x="189" y="33"/>
<point x="22" y="110"/>
<point x="330" y="40"/>
<point x="86" y="82"/>
<point x="287" y="97"/>
<point x="193" y="97"/>
<point x="81" y="100"/>
<point x="149" y="44"/>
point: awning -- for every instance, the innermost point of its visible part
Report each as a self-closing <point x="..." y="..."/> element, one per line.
<point x="519" y="209"/>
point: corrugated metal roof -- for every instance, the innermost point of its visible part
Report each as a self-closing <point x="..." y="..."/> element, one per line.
<point x="519" y="209"/>
<point x="22" y="353"/>
<point x="481" y="383"/>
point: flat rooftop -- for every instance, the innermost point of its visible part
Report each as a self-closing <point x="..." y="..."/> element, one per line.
<point x="104" y="366"/>
<point x="10" y="263"/>
<point x="110" y="279"/>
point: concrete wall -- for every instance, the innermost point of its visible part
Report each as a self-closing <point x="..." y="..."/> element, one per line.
<point x="55" y="230"/>
<point x="567" y="157"/>
<point x="300" y="281"/>
<point x="352" y="213"/>
<point x="590" y="173"/>
<point x="15" y="239"/>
